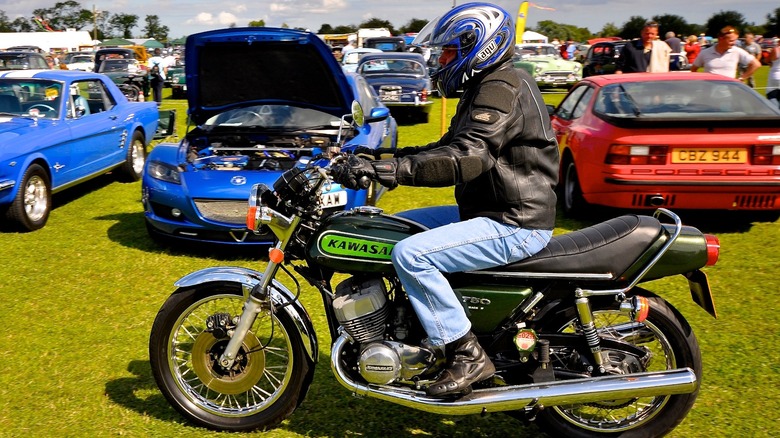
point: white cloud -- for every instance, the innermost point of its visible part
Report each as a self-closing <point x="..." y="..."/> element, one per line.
<point x="239" y="8"/>
<point x="207" y="18"/>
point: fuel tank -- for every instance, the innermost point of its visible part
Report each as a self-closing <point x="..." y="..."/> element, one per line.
<point x="359" y="240"/>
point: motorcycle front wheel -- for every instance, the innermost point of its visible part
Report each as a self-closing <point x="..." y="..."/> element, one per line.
<point x="264" y="385"/>
<point x="669" y="343"/>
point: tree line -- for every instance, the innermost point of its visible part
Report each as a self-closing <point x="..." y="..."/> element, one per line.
<point x="71" y="15"/>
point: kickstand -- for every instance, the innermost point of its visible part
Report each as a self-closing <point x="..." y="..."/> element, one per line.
<point x="532" y="410"/>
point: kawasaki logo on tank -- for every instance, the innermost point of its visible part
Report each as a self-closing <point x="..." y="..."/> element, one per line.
<point x="357" y="247"/>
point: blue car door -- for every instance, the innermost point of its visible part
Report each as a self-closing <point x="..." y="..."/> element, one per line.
<point x="97" y="129"/>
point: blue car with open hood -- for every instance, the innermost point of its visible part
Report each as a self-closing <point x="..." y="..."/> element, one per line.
<point x="261" y="101"/>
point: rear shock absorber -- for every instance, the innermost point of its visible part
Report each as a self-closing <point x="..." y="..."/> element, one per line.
<point x="589" y="330"/>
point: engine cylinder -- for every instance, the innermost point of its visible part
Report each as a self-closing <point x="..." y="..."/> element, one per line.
<point x="362" y="309"/>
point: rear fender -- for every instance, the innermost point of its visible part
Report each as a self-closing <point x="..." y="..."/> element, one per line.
<point x="280" y="295"/>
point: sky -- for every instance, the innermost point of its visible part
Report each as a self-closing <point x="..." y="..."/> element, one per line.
<point x="184" y="17"/>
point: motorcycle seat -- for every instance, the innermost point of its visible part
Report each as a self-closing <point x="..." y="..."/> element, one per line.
<point x="609" y="247"/>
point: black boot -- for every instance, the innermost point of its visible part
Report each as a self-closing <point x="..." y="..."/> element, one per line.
<point x="469" y="364"/>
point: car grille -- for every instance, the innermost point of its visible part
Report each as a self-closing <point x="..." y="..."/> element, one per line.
<point x="229" y="212"/>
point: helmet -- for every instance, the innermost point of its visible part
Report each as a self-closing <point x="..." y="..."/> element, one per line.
<point x="482" y="33"/>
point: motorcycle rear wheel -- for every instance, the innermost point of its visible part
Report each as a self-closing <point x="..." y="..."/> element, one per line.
<point x="673" y="345"/>
<point x="261" y="389"/>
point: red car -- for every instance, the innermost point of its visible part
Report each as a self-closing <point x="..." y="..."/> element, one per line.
<point x="677" y="140"/>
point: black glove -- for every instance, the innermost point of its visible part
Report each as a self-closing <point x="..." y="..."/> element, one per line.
<point x="366" y="152"/>
<point x="352" y="173"/>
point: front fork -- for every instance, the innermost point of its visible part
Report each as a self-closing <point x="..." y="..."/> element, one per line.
<point x="257" y="301"/>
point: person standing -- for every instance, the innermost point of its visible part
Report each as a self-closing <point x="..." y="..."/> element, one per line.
<point x="773" y="81"/>
<point x="644" y="54"/>
<point x="752" y="47"/>
<point x="501" y="155"/>
<point x="157" y="71"/>
<point x="723" y="57"/>
<point x="675" y="44"/>
<point x="692" y="48"/>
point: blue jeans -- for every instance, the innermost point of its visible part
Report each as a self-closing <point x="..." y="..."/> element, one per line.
<point x="471" y="245"/>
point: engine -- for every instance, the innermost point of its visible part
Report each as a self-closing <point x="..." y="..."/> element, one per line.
<point x="248" y="152"/>
<point x="363" y="309"/>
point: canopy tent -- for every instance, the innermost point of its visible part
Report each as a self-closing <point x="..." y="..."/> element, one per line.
<point x="153" y="44"/>
<point x="530" y="36"/>
<point x="116" y="42"/>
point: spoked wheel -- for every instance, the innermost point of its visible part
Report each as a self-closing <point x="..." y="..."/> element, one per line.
<point x="259" y="390"/>
<point x="667" y="342"/>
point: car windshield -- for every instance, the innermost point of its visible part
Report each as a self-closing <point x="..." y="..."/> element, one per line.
<point x="81" y="58"/>
<point x="384" y="66"/>
<point x="110" y="65"/>
<point x="530" y="50"/>
<point x="13" y="61"/>
<point x="681" y="99"/>
<point x="282" y="117"/>
<point x="30" y="98"/>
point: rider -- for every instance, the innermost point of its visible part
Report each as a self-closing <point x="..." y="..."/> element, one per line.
<point x="500" y="153"/>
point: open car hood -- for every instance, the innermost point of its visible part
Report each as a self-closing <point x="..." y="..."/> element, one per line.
<point x="230" y="68"/>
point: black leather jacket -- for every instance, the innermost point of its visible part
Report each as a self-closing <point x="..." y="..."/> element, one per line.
<point x="500" y="153"/>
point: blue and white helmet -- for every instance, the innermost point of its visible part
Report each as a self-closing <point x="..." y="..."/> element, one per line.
<point x="484" y="35"/>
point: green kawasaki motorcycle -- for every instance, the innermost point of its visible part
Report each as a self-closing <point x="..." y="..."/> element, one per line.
<point x="579" y="347"/>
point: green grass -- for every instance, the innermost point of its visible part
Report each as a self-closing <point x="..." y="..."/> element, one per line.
<point x="80" y="296"/>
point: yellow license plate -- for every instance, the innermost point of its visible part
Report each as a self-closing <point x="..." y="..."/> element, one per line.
<point x="723" y="155"/>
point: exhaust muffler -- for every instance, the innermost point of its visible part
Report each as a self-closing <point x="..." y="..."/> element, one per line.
<point x="512" y="398"/>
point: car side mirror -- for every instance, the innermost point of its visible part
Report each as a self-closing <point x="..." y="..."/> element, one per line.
<point x="377" y="114"/>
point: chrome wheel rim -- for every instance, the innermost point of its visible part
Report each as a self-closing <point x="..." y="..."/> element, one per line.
<point x="621" y="415"/>
<point x="36" y="200"/>
<point x="137" y="156"/>
<point x="262" y="371"/>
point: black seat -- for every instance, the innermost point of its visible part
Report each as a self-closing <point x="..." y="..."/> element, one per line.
<point x="10" y="104"/>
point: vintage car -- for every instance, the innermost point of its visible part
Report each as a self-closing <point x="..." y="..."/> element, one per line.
<point x="545" y="64"/>
<point x="59" y="128"/>
<point x="81" y="62"/>
<point x="128" y="75"/>
<point x="350" y="57"/>
<point x="676" y="140"/>
<point x="252" y="124"/>
<point x="22" y="60"/>
<point x="401" y="80"/>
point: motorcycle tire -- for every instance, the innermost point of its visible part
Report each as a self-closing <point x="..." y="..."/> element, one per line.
<point x="673" y="345"/>
<point x="261" y="389"/>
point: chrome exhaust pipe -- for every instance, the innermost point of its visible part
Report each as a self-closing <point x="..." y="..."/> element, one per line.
<point x="512" y="398"/>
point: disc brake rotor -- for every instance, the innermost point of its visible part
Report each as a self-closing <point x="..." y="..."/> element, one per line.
<point x="246" y="371"/>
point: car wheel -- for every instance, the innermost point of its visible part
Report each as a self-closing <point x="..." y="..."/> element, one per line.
<point x="133" y="166"/>
<point x="30" y="209"/>
<point x="574" y="203"/>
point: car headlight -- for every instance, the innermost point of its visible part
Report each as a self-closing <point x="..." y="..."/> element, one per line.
<point x="164" y="172"/>
<point x="577" y="67"/>
<point x="538" y="69"/>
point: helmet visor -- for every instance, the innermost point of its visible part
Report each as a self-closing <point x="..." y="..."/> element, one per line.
<point x="423" y="37"/>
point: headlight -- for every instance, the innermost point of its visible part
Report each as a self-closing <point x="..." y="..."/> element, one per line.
<point x="164" y="172"/>
<point x="577" y="67"/>
<point x="538" y="69"/>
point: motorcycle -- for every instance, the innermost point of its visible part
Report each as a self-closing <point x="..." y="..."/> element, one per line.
<point x="579" y="347"/>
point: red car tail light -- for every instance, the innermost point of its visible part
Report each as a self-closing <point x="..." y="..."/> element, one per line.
<point x="636" y="154"/>
<point x="766" y="154"/>
<point x="713" y="249"/>
<point x="424" y="95"/>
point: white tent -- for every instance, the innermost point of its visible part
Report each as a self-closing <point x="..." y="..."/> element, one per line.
<point x="530" y="36"/>
<point x="61" y="41"/>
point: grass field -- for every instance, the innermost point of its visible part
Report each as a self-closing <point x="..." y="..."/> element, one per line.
<point x="80" y="296"/>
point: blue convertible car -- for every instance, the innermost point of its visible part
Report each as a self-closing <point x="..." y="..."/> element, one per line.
<point x="263" y="100"/>
<point x="59" y="128"/>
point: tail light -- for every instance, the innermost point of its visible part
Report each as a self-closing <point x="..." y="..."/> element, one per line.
<point x="424" y="95"/>
<point x="713" y="249"/>
<point x="636" y="154"/>
<point x="766" y="154"/>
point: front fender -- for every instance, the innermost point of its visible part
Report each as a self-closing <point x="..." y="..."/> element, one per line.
<point x="248" y="278"/>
